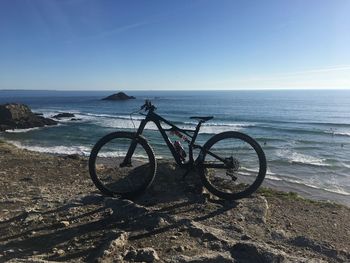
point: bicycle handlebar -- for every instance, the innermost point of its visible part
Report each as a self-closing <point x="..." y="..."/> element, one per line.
<point x="148" y="106"/>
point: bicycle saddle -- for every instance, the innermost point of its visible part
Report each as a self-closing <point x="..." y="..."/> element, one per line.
<point x="207" y="118"/>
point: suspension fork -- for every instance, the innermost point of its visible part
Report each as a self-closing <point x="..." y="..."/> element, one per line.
<point x="127" y="159"/>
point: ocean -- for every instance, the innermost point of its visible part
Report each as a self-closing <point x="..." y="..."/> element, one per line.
<point x="305" y="134"/>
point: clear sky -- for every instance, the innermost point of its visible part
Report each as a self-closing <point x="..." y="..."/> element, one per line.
<point x="182" y="44"/>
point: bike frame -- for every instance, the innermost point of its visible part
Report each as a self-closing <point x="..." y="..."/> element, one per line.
<point x="156" y="119"/>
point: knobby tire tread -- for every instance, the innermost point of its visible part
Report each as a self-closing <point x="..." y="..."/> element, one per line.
<point x="104" y="140"/>
<point x="262" y="166"/>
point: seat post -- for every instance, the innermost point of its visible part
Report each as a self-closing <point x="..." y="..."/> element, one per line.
<point x="196" y="131"/>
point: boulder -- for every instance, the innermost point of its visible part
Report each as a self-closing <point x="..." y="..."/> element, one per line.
<point x="19" y="116"/>
<point x="147" y="254"/>
<point x="14" y="112"/>
<point x="64" y="115"/>
<point x="119" y="96"/>
<point x="113" y="249"/>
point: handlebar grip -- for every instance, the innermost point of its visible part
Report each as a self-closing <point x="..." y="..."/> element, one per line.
<point x="148" y="106"/>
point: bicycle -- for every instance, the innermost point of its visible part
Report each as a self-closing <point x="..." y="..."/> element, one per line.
<point x="123" y="163"/>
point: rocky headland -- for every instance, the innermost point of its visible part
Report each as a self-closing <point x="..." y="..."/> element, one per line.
<point x="20" y="116"/>
<point x="50" y="211"/>
<point x="119" y="96"/>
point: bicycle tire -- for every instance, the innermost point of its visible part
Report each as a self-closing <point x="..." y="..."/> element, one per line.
<point x="115" y="173"/>
<point x="230" y="194"/>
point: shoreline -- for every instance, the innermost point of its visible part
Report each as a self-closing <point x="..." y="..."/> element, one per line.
<point x="305" y="191"/>
<point x="308" y="192"/>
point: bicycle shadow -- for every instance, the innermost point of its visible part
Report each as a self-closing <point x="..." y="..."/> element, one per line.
<point x="42" y="237"/>
<point x="95" y="218"/>
<point x="170" y="185"/>
<point x="170" y="203"/>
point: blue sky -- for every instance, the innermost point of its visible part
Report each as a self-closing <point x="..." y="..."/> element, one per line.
<point x="206" y="44"/>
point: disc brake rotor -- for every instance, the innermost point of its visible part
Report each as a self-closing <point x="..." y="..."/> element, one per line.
<point x="233" y="166"/>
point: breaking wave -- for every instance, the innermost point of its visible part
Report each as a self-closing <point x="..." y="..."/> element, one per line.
<point x="21" y="130"/>
<point x="81" y="150"/>
<point x="299" y="158"/>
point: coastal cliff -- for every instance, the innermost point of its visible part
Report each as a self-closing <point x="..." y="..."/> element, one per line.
<point x="20" y="116"/>
<point x="51" y="211"/>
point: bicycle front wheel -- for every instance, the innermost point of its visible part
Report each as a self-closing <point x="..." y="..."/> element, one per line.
<point x="115" y="177"/>
<point x="233" y="165"/>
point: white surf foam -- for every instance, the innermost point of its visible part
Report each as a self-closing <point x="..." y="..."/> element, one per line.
<point x="345" y="165"/>
<point x="207" y="129"/>
<point x="124" y="117"/>
<point x="275" y="178"/>
<point x="336" y="189"/>
<point x="124" y="122"/>
<point x="238" y="125"/>
<point x="67" y="150"/>
<point x="342" y="133"/>
<point x="31" y="129"/>
<point x="295" y="157"/>
<point x="118" y="123"/>
<point x="21" y="130"/>
<point x="119" y="154"/>
<point x="78" y="149"/>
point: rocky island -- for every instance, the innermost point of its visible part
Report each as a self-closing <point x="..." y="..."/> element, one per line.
<point x="63" y="115"/>
<point x="20" y="116"/>
<point x="50" y="211"/>
<point x="119" y="96"/>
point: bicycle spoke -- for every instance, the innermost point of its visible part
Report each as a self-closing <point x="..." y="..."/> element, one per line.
<point x="236" y="172"/>
<point x="112" y="175"/>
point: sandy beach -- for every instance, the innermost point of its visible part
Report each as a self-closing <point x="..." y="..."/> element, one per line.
<point x="51" y="211"/>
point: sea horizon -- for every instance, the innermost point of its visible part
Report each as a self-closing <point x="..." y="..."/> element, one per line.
<point x="179" y="90"/>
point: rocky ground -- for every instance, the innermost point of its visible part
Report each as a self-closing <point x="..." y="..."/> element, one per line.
<point x="50" y="211"/>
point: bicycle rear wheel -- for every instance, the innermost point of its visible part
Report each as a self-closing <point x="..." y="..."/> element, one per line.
<point x="233" y="165"/>
<point x="113" y="178"/>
